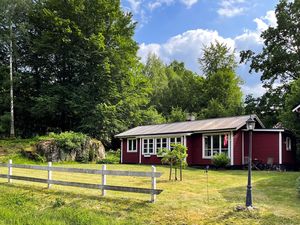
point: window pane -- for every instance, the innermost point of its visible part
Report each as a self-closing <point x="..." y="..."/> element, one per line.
<point x="145" y="150"/>
<point x="207" y="153"/>
<point x="207" y="141"/>
<point x="216" y="142"/>
<point x="178" y="140"/>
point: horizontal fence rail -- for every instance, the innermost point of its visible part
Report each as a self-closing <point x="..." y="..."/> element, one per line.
<point x="103" y="187"/>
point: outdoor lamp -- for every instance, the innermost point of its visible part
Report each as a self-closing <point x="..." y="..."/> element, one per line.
<point x="250" y="123"/>
<point x="250" y="127"/>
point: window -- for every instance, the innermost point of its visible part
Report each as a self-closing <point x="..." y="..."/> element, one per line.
<point x="175" y="140"/>
<point x="148" y="146"/>
<point x="152" y="146"/>
<point x="131" y="145"/>
<point x="215" y="144"/>
<point x="288" y="143"/>
<point x="161" y="143"/>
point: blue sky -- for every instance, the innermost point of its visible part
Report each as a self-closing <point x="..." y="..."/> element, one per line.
<point x="178" y="29"/>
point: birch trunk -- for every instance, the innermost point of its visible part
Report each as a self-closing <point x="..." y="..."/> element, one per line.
<point x="12" y="121"/>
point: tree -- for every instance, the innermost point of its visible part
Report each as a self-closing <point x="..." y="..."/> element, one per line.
<point x="13" y="22"/>
<point x="217" y="56"/>
<point x="177" y="115"/>
<point x="155" y="71"/>
<point x="175" y="157"/>
<point x="291" y="120"/>
<point x="222" y="91"/>
<point x="279" y="60"/>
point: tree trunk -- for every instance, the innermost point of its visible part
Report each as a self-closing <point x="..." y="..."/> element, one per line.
<point x="170" y="175"/>
<point x="180" y="171"/>
<point x="12" y="121"/>
<point x="175" y="173"/>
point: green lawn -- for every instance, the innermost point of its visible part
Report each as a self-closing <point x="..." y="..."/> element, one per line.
<point x="185" y="202"/>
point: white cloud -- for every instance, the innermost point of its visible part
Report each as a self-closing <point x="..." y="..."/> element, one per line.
<point x="189" y="3"/>
<point x="265" y="21"/>
<point x="158" y="3"/>
<point x="134" y="5"/>
<point x="187" y="47"/>
<point x="256" y="90"/>
<point x="231" y="8"/>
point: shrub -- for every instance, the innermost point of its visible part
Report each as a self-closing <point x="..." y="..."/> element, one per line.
<point x="220" y="160"/>
<point x="69" y="140"/>
<point x="111" y="157"/>
<point x="298" y="185"/>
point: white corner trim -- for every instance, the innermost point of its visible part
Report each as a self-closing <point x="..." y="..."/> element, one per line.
<point x="121" y="150"/>
<point x="231" y="149"/>
<point x="243" y="147"/>
<point x="140" y="151"/>
<point x="280" y="148"/>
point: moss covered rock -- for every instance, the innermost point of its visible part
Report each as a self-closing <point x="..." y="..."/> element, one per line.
<point x="70" y="146"/>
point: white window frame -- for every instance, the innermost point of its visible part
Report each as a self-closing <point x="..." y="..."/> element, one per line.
<point x="288" y="144"/>
<point x="155" y="150"/>
<point x="131" y="139"/>
<point x="220" y="144"/>
<point x="154" y="145"/>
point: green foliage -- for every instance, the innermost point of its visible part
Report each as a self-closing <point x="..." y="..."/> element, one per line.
<point x="278" y="62"/>
<point x="298" y="185"/>
<point x="111" y="157"/>
<point x="177" y="115"/>
<point x="175" y="157"/>
<point x="291" y="120"/>
<point x="217" y="56"/>
<point x="222" y="86"/>
<point x="220" y="160"/>
<point x="279" y="59"/>
<point x="69" y="141"/>
<point x="59" y="202"/>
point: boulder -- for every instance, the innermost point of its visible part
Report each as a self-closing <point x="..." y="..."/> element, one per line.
<point x="89" y="150"/>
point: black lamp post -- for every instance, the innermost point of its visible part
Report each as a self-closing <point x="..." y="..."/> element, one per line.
<point x="250" y="127"/>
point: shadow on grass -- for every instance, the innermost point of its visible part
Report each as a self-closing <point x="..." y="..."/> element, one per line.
<point x="134" y="203"/>
<point x="274" y="186"/>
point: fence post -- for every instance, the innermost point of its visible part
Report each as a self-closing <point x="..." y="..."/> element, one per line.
<point x="103" y="180"/>
<point x="49" y="174"/>
<point x="153" y="184"/>
<point x="9" y="171"/>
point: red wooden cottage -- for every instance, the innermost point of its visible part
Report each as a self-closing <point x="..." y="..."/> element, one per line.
<point x="205" y="138"/>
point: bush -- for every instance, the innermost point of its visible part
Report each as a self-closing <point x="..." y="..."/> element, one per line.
<point x="220" y="160"/>
<point x="111" y="157"/>
<point x="298" y="185"/>
<point x="69" y="140"/>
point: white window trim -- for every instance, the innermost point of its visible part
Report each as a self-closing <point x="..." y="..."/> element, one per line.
<point x="131" y="139"/>
<point x="154" y="144"/>
<point x="288" y="144"/>
<point x="183" y="142"/>
<point x="220" y="144"/>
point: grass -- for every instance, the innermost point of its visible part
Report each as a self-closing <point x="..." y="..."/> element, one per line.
<point x="185" y="202"/>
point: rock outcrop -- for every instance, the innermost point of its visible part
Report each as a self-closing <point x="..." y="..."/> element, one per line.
<point x="90" y="150"/>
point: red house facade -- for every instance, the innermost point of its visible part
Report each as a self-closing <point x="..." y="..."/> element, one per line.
<point x="205" y="138"/>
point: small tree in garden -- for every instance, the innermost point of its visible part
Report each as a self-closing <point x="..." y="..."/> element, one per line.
<point x="175" y="158"/>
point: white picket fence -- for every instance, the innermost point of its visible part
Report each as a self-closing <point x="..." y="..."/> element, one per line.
<point x="104" y="173"/>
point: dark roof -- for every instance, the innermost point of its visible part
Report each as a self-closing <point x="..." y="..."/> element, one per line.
<point x="225" y="123"/>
